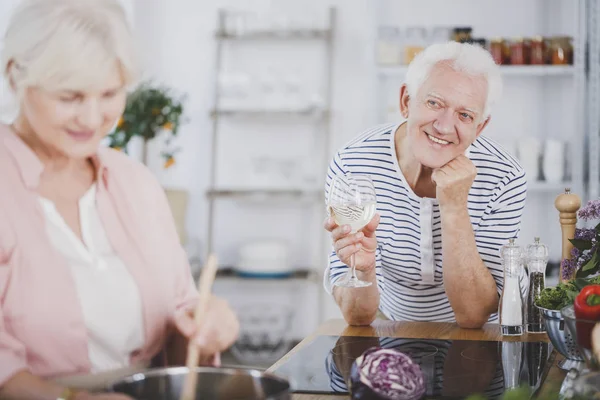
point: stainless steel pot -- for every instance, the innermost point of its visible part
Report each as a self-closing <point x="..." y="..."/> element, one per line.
<point x="213" y="384"/>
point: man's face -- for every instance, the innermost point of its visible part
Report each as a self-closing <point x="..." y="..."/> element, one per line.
<point x="446" y="116"/>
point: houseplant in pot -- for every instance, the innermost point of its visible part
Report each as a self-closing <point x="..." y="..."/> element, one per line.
<point x="150" y="111"/>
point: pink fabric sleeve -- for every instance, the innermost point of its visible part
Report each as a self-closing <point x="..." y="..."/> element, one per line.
<point x="12" y="353"/>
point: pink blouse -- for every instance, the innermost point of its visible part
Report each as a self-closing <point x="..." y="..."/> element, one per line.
<point x="42" y="328"/>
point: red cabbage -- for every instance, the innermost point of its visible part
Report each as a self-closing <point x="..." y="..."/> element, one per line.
<point x="386" y="374"/>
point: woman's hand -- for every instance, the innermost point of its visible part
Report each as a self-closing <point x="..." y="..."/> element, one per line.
<point x="218" y="330"/>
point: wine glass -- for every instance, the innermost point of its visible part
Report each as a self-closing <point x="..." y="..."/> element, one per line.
<point x="351" y="201"/>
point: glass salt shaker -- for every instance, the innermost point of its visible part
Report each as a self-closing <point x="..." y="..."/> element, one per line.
<point x="511" y="305"/>
<point x="537" y="259"/>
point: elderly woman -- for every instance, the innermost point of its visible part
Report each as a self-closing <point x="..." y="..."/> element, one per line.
<point x="92" y="274"/>
<point x="448" y="199"/>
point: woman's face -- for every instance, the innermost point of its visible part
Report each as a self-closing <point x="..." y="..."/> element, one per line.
<point x="73" y="122"/>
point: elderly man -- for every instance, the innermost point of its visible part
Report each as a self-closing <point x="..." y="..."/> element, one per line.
<point x="447" y="199"/>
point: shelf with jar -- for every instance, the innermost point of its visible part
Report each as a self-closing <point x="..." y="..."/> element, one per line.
<point x="397" y="46"/>
<point x="507" y="70"/>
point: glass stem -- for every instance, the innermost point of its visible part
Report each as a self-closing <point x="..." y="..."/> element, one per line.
<point x="353" y="268"/>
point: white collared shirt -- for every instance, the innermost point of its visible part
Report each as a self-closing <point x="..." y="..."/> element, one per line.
<point x="108" y="294"/>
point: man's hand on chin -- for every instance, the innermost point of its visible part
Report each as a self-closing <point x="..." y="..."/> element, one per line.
<point x="453" y="182"/>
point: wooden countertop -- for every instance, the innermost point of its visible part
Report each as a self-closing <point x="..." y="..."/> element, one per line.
<point x="425" y="330"/>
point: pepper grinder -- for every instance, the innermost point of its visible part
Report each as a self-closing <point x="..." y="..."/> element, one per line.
<point x="567" y="205"/>
<point x="537" y="260"/>
<point x="511" y="302"/>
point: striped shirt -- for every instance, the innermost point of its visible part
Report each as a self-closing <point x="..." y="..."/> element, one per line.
<point x="409" y="235"/>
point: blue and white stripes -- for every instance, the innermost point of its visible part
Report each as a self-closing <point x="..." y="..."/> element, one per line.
<point x="409" y="236"/>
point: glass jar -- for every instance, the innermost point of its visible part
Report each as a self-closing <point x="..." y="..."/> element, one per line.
<point x="462" y="34"/>
<point x="517" y="52"/>
<point x="538" y="51"/>
<point x="561" y="52"/>
<point x="480" y="42"/>
<point x="497" y="50"/>
<point x="416" y="38"/>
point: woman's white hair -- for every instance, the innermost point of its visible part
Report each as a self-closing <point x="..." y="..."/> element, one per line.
<point x="462" y="57"/>
<point x="67" y="44"/>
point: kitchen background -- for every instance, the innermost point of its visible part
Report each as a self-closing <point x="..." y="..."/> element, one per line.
<point x="272" y="88"/>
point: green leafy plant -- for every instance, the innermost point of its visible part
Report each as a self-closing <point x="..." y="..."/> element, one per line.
<point x="563" y="294"/>
<point x="150" y="109"/>
<point x="581" y="268"/>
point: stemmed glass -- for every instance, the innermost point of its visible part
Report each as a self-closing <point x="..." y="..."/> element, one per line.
<point x="352" y="201"/>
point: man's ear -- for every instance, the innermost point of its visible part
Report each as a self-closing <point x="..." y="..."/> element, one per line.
<point x="404" y="100"/>
<point x="481" y="126"/>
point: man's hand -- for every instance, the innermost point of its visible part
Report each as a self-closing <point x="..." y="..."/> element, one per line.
<point x="359" y="306"/>
<point x="346" y="244"/>
<point x="453" y="182"/>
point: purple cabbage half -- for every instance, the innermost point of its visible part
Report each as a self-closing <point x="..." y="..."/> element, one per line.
<point x="386" y="374"/>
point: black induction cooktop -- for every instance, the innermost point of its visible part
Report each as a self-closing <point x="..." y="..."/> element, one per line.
<point x="453" y="369"/>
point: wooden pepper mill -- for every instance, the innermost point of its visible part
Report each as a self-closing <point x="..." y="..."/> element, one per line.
<point x="567" y="205"/>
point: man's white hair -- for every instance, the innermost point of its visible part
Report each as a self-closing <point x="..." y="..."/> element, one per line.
<point x="462" y="57"/>
<point x="67" y="44"/>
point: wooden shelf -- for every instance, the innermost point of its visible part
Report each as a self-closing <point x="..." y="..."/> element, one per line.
<point x="295" y="34"/>
<point x="300" y="112"/>
<point x="507" y="70"/>
<point x="302" y="194"/>
<point x="298" y="274"/>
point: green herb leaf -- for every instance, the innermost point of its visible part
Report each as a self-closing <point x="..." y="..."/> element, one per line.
<point x="581" y="244"/>
<point x="580" y="283"/>
<point x="593" y="262"/>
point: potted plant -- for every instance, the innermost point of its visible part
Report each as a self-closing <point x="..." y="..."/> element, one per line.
<point x="578" y="271"/>
<point x="150" y="110"/>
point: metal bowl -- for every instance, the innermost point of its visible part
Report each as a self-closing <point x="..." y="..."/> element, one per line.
<point x="562" y="340"/>
<point x="579" y="328"/>
<point x="213" y="384"/>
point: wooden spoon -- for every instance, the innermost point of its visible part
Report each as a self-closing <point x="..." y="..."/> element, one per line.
<point x="205" y="282"/>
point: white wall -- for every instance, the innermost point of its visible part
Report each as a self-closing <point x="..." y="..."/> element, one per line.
<point x="178" y="49"/>
<point x="184" y="59"/>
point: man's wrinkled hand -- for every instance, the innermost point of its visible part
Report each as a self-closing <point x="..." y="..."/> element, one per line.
<point x="453" y="182"/>
<point x="362" y="243"/>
